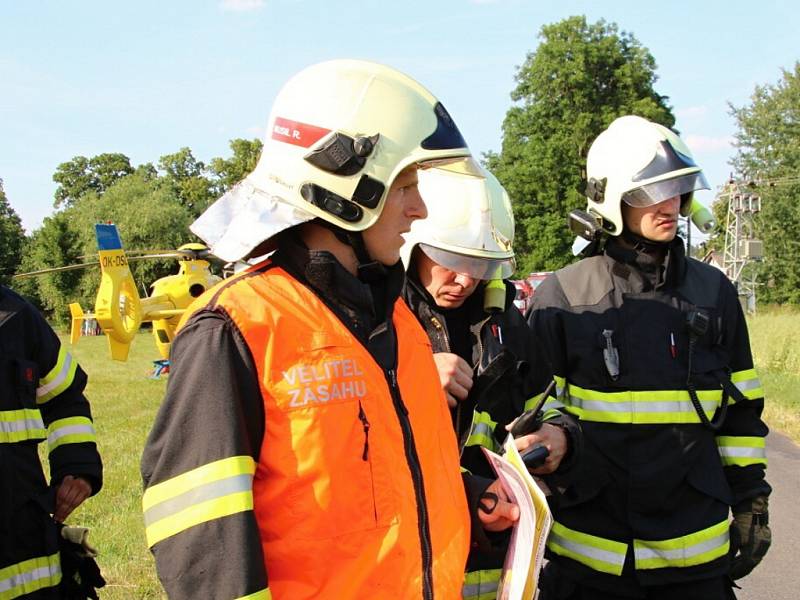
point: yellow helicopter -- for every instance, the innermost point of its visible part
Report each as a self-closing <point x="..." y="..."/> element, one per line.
<point x="120" y="311"/>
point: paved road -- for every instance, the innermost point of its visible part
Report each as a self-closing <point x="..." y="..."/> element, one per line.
<point x="778" y="577"/>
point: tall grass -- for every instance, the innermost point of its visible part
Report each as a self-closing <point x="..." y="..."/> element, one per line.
<point x="775" y="341"/>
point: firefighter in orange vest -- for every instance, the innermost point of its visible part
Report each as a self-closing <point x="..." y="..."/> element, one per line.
<point x="304" y="448"/>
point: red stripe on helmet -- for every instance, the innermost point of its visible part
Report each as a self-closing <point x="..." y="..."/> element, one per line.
<point x="299" y="134"/>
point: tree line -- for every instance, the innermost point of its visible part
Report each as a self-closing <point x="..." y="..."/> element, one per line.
<point x="580" y="77"/>
<point x="153" y="206"/>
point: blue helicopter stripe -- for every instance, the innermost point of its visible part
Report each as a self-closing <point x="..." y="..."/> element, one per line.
<point x="107" y="237"/>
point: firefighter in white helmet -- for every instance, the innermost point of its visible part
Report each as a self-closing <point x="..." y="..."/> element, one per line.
<point x="458" y="262"/>
<point x="299" y="451"/>
<point x="650" y="351"/>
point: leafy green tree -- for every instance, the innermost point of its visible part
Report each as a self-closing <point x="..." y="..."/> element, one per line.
<point x="54" y="244"/>
<point x="230" y="171"/>
<point x="81" y="175"/>
<point x="148" y="215"/>
<point x="768" y="152"/>
<point x="12" y="238"/>
<point x="186" y="175"/>
<point x="579" y="79"/>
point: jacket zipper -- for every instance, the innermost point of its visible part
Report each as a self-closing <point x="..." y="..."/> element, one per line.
<point x="423" y="523"/>
<point x="362" y="416"/>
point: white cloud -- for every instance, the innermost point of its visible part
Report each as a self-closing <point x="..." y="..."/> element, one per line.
<point x="705" y="143"/>
<point x="241" y="5"/>
<point x="692" y="112"/>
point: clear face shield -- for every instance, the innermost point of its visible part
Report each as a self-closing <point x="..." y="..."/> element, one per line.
<point x="656" y="192"/>
<point x="473" y="266"/>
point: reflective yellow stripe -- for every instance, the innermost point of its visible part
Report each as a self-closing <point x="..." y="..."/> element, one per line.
<point x="264" y="594"/>
<point x="741" y="450"/>
<point x="58" y="379"/>
<point x="210" y="492"/>
<point x="686" y="551"/>
<point x="640" y="407"/>
<point x="481" y="585"/>
<point x="550" y="414"/>
<point x="74" y="430"/>
<point x="21" y="425"/>
<point x="531" y="403"/>
<point x="748" y="383"/>
<point x="481" y="432"/>
<point x="552" y="405"/>
<point x="561" y="385"/>
<point x="29" y="576"/>
<point x="600" y="554"/>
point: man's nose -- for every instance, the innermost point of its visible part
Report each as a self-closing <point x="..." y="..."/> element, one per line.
<point x="464" y="280"/>
<point x="671" y="205"/>
<point x="415" y="205"/>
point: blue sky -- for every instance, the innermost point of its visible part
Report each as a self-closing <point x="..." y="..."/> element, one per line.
<point x="146" y="78"/>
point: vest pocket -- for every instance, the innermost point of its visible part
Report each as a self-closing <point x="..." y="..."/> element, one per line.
<point x="341" y="485"/>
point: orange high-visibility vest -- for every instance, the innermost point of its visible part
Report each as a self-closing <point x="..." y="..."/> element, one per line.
<point x="346" y="501"/>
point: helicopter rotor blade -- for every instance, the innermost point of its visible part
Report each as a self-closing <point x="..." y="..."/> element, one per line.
<point x="55" y="270"/>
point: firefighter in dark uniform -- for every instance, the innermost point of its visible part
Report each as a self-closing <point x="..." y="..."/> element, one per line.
<point x="42" y="399"/>
<point x="650" y="352"/>
<point x="458" y="260"/>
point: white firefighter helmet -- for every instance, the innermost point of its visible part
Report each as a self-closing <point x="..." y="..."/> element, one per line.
<point x="338" y="135"/>
<point x="470" y="225"/>
<point x="640" y="163"/>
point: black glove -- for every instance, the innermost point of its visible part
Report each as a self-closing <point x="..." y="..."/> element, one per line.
<point x="750" y="535"/>
<point x="80" y="573"/>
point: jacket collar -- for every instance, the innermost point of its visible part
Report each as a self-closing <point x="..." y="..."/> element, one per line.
<point x="339" y="288"/>
<point x="654" y="272"/>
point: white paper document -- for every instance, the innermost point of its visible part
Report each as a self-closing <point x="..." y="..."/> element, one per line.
<point x="526" y="548"/>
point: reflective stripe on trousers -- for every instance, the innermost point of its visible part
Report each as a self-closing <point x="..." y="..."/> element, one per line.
<point x="481" y="585"/>
<point x="608" y="556"/>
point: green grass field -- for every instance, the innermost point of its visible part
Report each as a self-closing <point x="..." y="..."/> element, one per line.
<point x="775" y="341"/>
<point x="124" y="403"/>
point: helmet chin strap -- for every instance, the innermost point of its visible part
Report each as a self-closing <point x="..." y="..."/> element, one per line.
<point x="642" y="244"/>
<point x="367" y="270"/>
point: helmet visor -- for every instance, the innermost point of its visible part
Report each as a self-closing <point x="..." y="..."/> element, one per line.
<point x="473" y="266"/>
<point x="656" y="192"/>
<point x="461" y="165"/>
